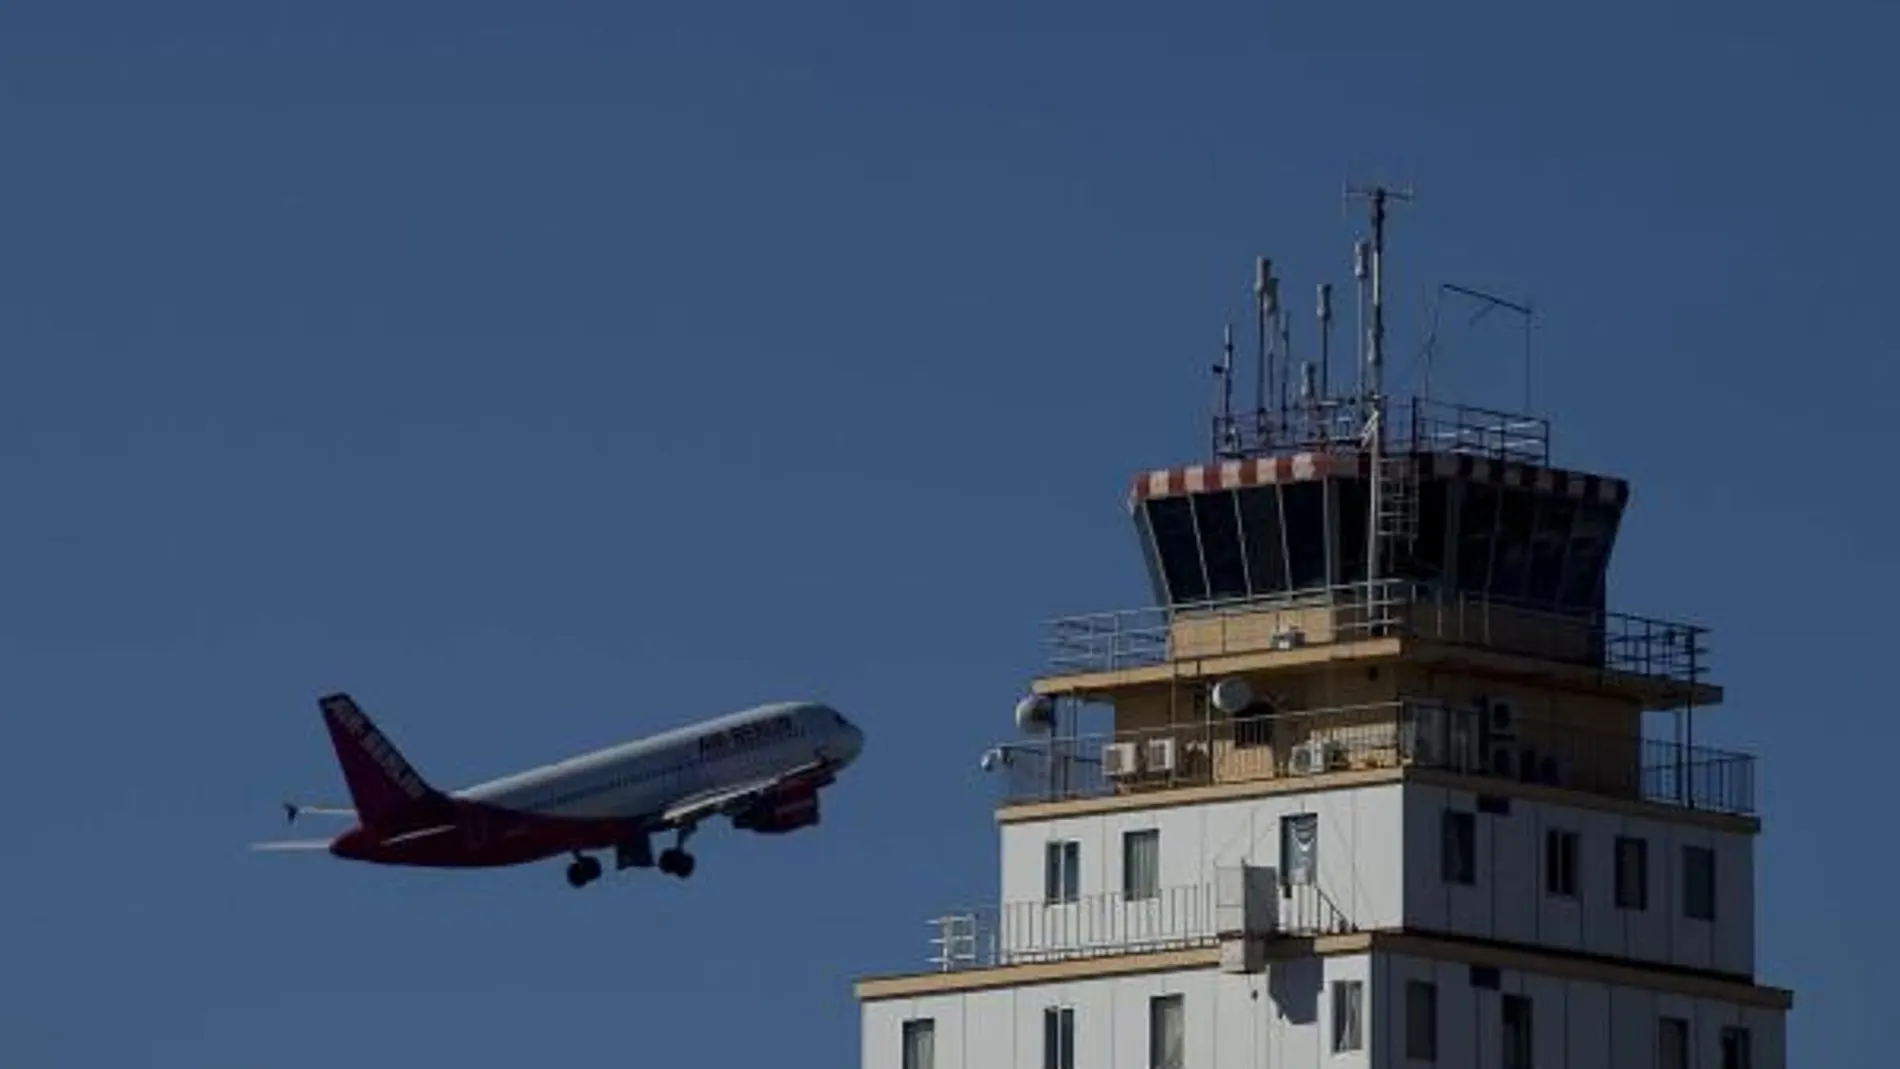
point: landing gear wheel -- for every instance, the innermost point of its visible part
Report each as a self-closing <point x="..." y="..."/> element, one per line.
<point x="583" y="871"/>
<point x="676" y="862"/>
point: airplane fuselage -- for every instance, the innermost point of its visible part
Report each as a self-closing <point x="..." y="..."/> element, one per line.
<point x="762" y="767"/>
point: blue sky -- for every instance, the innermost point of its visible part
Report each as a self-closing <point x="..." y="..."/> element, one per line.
<point x="549" y="374"/>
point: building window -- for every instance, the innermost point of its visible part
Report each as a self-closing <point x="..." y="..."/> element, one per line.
<point x="1632" y="873"/>
<point x="1348" y="1015"/>
<point x="1560" y="863"/>
<point x="1672" y="1043"/>
<point x="1516" y="1015"/>
<point x="920" y="1044"/>
<point x="1167" y="1032"/>
<point x="1062" y="872"/>
<point x="1421" y="1021"/>
<point x="1058" y="1038"/>
<point x="1458" y="857"/>
<point x="1299" y="848"/>
<point x="1736" y="1053"/>
<point x="1141" y="864"/>
<point x="1698" y="883"/>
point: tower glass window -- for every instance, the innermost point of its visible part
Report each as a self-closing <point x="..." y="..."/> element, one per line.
<point x="920" y="1044"/>
<point x="1058" y="1038"/>
<point x="1560" y="863"/>
<point x="1421" y="1021"/>
<point x="1219" y="530"/>
<point x="1348" y="1015"/>
<point x="1515" y="1014"/>
<point x="1062" y="872"/>
<point x="1672" y="1043"/>
<point x="1632" y="873"/>
<point x="1458" y="861"/>
<point x="1303" y="507"/>
<point x="1167" y="1032"/>
<point x="1141" y="864"/>
<point x="1262" y="536"/>
<point x="1299" y="848"/>
<point x="1698" y="883"/>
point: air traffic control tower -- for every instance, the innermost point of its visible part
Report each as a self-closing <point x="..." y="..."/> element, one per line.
<point x="1370" y="785"/>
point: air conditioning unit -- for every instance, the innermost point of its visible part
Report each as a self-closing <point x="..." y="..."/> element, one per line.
<point x="1118" y="759"/>
<point x="1289" y="638"/>
<point x="1160" y="754"/>
<point x="1309" y="758"/>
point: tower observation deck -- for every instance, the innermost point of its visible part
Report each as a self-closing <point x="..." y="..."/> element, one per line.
<point x="1370" y="778"/>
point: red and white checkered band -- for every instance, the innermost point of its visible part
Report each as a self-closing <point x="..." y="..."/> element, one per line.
<point x="1266" y="471"/>
<point x="1232" y="474"/>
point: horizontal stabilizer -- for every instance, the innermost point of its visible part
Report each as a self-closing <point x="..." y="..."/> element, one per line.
<point x="291" y="845"/>
<point x="292" y="811"/>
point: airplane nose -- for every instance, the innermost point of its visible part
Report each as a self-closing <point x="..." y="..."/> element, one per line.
<point x="847" y="742"/>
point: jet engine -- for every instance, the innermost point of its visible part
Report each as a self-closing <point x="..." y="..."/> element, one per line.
<point x="780" y="812"/>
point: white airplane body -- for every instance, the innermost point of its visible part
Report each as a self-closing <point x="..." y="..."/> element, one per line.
<point x="762" y="768"/>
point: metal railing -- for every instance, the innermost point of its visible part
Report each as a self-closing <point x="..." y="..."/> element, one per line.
<point x="1100" y="925"/>
<point x="1413" y="733"/>
<point x="1413" y="425"/>
<point x="1618" y="642"/>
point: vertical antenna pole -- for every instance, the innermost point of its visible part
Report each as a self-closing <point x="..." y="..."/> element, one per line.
<point x="1224" y="424"/>
<point x="1360" y="254"/>
<point x="1373" y="435"/>
<point x="1262" y="270"/>
<point x="1325" y="339"/>
<point x="1286" y="354"/>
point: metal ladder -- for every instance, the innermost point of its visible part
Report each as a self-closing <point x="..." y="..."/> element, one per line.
<point x="1397" y="521"/>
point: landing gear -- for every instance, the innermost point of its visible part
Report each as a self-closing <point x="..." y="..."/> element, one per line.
<point x="675" y="861"/>
<point x="583" y="871"/>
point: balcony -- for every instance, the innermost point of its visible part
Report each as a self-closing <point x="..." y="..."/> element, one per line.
<point x="1648" y="649"/>
<point x="1103" y="925"/>
<point x="1418" y="734"/>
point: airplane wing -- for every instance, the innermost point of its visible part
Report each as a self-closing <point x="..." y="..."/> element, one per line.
<point x="731" y="799"/>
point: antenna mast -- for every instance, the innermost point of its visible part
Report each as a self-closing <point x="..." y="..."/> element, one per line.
<point x="1224" y="436"/>
<point x="1372" y="392"/>
<point x="1266" y="292"/>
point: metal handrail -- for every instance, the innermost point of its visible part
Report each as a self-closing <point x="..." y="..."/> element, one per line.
<point x="1098" y="925"/>
<point x="1418" y="733"/>
<point x="1619" y="642"/>
<point x="1413" y="424"/>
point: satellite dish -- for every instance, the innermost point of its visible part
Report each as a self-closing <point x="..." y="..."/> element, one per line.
<point x="1035" y="714"/>
<point x="1232" y="695"/>
<point x="995" y="757"/>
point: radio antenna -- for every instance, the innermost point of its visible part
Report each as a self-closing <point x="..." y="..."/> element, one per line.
<point x="1372" y="395"/>
<point x="1263" y="297"/>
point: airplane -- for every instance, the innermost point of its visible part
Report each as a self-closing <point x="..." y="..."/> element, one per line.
<point x="761" y="768"/>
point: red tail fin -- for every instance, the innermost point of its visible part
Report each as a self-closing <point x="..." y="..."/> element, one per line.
<point x="386" y="789"/>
